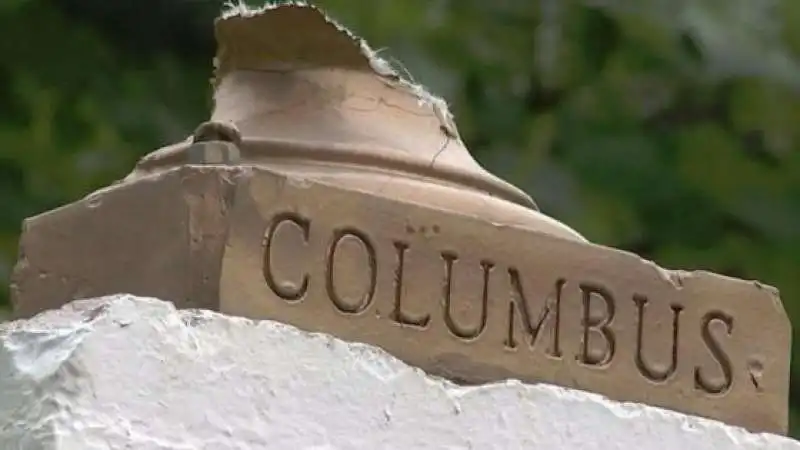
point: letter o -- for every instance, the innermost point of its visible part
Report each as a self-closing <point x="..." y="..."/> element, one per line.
<point x="372" y="266"/>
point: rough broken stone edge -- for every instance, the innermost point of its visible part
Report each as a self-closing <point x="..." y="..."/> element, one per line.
<point x="383" y="68"/>
<point x="80" y="315"/>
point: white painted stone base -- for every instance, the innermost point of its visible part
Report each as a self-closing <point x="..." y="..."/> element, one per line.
<point x="132" y="373"/>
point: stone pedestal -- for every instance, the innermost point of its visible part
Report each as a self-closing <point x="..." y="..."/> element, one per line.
<point x="330" y="194"/>
<point x="123" y="372"/>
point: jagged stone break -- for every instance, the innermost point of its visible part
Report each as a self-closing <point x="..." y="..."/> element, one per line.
<point x="126" y="372"/>
<point x="333" y="46"/>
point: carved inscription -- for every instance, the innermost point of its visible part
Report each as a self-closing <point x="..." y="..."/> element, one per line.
<point x="600" y="326"/>
<point x="645" y="368"/>
<point x="520" y="305"/>
<point x="533" y="323"/>
<point x="303" y="227"/>
<point x="363" y="242"/>
<point x="398" y="314"/>
<point x="702" y="381"/>
<point x="462" y="331"/>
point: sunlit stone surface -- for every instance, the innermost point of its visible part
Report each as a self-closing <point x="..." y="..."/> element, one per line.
<point x="126" y="372"/>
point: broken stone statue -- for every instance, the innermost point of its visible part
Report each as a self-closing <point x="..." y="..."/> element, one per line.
<point x="329" y="193"/>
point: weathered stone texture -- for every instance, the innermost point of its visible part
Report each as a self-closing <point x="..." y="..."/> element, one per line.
<point x="130" y="372"/>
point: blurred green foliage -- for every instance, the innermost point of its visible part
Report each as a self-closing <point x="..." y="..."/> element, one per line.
<point x="668" y="128"/>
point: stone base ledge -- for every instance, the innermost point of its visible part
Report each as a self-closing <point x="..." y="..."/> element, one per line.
<point x="127" y="372"/>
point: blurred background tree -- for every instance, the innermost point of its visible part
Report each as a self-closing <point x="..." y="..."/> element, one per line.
<point x="670" y="128"/>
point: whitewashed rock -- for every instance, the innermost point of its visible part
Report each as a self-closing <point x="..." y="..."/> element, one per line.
<point x="126" y="372"/>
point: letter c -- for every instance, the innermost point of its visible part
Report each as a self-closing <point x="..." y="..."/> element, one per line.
<point x="290" y="294"/>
